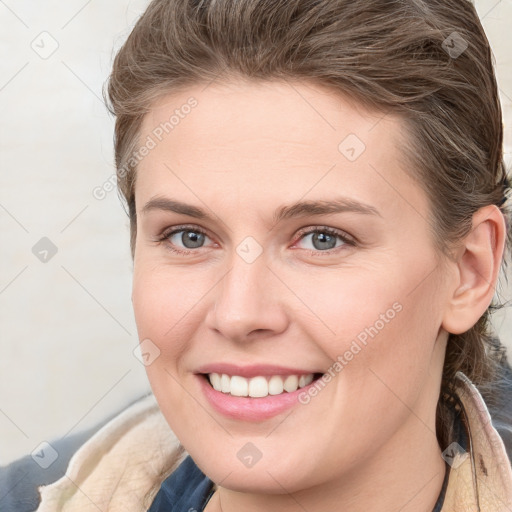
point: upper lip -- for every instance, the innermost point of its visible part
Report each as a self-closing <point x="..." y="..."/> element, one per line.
<point x="251" y="370"/>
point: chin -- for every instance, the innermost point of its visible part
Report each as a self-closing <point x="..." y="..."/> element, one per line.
<point x="270" y="476"/>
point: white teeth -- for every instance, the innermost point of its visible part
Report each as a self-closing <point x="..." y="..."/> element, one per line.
<point x="304" y="380"/>
<point x="239" y="386"/>
<point x="215" y="380"/>
<point x="291" y="383"/>
<point x="258" y="387"/>
<point x="275" y="385"/>
<point x="225" y="383"/>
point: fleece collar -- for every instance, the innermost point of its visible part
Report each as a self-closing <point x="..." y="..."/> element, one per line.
<point x="481" y="478"/>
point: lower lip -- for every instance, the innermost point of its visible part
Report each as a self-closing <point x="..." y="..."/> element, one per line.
<point x="249" y="408"/>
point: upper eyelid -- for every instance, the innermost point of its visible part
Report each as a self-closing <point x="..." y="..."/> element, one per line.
<point x="176" y="229"/>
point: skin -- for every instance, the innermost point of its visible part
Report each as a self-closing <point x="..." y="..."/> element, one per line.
<point x="367" y="440"/>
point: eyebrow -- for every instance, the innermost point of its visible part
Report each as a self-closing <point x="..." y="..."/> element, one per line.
<point x="299" y="209"/>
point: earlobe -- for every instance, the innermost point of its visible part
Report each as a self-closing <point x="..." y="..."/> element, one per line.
<point x="478" y="267"/>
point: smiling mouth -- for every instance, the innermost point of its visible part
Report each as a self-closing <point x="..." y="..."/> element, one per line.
<point x="259" y="387"/>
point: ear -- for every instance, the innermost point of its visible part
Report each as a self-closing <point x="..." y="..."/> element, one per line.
<point x="477" y="265"/>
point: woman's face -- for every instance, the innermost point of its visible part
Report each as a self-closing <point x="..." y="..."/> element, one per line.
<point x="304" y="249"/>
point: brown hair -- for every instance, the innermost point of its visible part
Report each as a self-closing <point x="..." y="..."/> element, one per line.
<point x="427" y="61"/>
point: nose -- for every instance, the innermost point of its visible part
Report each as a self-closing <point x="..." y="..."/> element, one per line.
<point x="247" y="302"/>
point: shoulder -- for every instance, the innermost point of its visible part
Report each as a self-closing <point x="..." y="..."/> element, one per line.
<point x="129" y="448"/>
<point x="20" y="479"/>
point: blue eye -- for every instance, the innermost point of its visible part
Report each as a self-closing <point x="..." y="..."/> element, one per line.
<point x="191" y="238"/>
<point x="325" y="239"/>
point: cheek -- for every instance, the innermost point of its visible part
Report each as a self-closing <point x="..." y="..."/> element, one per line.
<point x="349" y="306"/>
<point x="377" y="326"/>
<point x="165" y="308"/>
<point x="165" y="303"/>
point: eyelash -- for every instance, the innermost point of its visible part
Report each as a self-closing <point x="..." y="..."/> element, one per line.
<point x="323" y="229"/>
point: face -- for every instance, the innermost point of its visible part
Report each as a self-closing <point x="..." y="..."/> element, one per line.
<point x="279" y="236"/>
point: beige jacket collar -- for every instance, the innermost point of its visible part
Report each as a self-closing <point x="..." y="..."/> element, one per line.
<point x="120" y="469"/>
<point x="481" y="479"/>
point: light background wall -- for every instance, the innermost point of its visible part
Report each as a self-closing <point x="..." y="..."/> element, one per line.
<point x="67" y="332"/>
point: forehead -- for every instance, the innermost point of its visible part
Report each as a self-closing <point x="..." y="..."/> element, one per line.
<point x="282" y="138"/>
<point x="305" y="111"/>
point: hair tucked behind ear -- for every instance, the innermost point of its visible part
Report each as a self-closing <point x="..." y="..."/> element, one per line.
<point x="426" y="61"/>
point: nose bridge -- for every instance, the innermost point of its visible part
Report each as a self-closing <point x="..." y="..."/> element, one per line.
<point x="245" y="299"/>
